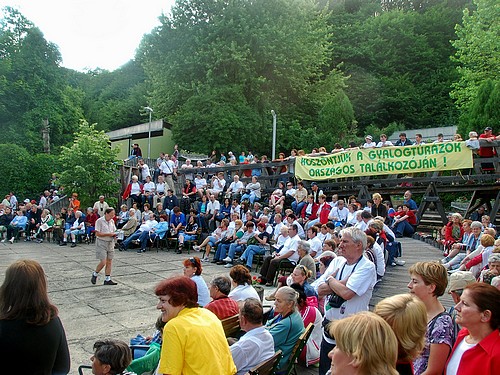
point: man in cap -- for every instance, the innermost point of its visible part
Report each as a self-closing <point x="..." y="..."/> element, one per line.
<point x="457" y="283"/>
<point x="369" y="142"/>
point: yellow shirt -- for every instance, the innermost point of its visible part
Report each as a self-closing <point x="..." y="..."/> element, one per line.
<point x="194" y="344"/>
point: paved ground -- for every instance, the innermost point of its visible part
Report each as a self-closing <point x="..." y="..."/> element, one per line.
<point x="90" y="312"/>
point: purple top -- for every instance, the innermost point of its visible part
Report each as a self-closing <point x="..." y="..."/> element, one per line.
<point x="442" y="333"/>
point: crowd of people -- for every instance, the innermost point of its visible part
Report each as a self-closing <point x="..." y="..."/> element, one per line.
<point x="337" y="249"/>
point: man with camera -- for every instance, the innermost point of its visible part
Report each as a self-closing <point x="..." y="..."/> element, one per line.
<point x="347" y="286"/>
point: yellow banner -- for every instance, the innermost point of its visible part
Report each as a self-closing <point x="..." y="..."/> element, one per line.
<point x="385" y="160"/>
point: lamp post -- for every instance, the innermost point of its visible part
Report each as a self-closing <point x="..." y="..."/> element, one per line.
<point x="274" y="134"/>
<point x="150" y="110"/>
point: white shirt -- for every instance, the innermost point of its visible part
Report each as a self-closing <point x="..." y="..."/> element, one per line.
<point x="242" y="292"/>
<point x="456" y="357"/>
<point x="384" y="144"/>
<point x="189" y="176"/>
<point x="361" y="282"/>
<point x="218" y="185"/>
<point x="213" y="206"/>
<point x="253" y="347"/>
<point x="291" y="244"/>
<point x="236" y="187"/>
<point x="316" y="246"/>
<point x="200" y="183"/>
<point x="167" y="167"/>
<point x="145" y="172"/>
<point x="149" y="186"/>
<point x="369" y="145"/>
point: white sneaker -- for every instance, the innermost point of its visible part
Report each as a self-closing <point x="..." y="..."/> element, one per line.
<point x="3" y="240"/>
<point x="227" y="260"/>
<point x="11" y="240"/>
<point x="196" y="248"/>
<point x="205" y="259"/>
<point x="400" y="262"/>
<point x="228" y="265"/>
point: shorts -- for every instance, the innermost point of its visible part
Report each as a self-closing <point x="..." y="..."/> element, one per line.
<point x="104" y="249"/>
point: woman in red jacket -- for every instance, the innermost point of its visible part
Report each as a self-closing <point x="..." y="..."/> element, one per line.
<point x="477" y="349"/>
<point x="453" y="232"/>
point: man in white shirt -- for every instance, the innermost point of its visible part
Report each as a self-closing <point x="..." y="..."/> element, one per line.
<point x="144" y="170"/>
<point x="187" y="165"/>
<point x="218" y="184"/>
<point x="315" y="242"/>
<point x="100" y="206"/>
<point x="347" y="285"/>
<point x="149" y="223"/>
<point x="369" y="142"/>
<point x="213" y="208"/>
<point x="288" y="255"/>
<point x="201" y="184"/>
<point x="236" y="188"/>
<point x="257" y="344"/>
<point x="339" y="213"/>
<point x="167" y="168"/>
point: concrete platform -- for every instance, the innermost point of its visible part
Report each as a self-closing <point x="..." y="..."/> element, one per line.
<point x="91" y="312"/>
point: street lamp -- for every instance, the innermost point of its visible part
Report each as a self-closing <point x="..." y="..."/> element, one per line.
<point x="150" y="110"/>
<point x="274" y="134"/>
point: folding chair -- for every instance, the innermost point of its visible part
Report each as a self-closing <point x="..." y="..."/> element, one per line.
<point x="267" y="367"/>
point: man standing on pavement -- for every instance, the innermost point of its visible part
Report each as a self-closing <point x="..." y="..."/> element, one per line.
<point x="105" y="245"/>
<point x="347" y="285"/>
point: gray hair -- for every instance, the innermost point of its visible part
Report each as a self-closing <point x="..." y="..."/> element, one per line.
<point x="495" y="257"/>
<point x="290" y="295"/>
<point x="357" y="235"/>
<point x="476" y="224"/>
<point x="223" y="283"/>
<point x="304" y="245"/>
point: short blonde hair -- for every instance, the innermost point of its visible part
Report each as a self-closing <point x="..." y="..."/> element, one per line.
<point x="432" y="273"/>
<point x="407" y="317"/>
<point x="376" y="195"/>
<point x="487" y="240"/>
<point x="369" y="340"/>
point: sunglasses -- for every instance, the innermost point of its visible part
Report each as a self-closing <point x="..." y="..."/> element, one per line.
<point x="193" y="261"/>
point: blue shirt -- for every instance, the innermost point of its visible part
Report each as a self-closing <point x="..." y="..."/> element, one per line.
<point x="175" y="220"/>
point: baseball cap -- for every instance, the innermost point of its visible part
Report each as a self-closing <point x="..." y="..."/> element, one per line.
<point x="26" y="200"/>
<point x="314" y="184"/>
<point x="488" y="128"/>
<point x="459" y="280"/>
<point x="369" y="137"/>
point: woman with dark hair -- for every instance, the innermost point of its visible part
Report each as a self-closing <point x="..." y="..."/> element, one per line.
<point x="192" y="269"/>
<point x="477" y="349"/>
<point x="111" y="357"/>
<point x="309" y="314"/>
<point x="32" y="338"/>
<point x="225" y="210"/>
<point x="193" y="338"/>
<point x="242" y="284"/>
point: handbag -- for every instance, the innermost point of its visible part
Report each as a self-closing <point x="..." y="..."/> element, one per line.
<point x="335" y="300"/>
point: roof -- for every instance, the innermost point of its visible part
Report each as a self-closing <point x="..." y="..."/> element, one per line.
<point x="139" y="131"/>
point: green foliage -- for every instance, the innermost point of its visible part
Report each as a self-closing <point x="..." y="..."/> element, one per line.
<point x="32" y="86"/>
<point x="477" y="51"/>
<point x="217" y="68"/>
<point x="397" y="60"/>
<point x="89" y="165"/>
<point x="484" y="110"/>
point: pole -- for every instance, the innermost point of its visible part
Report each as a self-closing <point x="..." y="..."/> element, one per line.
<point x="274" y="135"/>
<point x="150" y="110"/>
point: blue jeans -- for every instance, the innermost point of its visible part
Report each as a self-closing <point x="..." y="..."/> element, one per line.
<point x="221" y="252"/>
<point x="251" y="197"/>
<point x="133" y="236"/>
<point x="233" y="249"/>
<point x="404" y="228"/>
<point x="250" y="251"/>
<point x="297" y="207"/>
<point x="144" y="237"/>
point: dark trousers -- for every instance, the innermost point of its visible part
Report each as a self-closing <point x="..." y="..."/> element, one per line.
<point x="324" y="362"/>
<point x="270" y="265"/>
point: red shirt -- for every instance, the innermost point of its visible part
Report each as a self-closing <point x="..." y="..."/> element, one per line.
<point x="412" y="219"/>
<point x="482" y="359"/>
<point x="486" y="152"/>
<point x="223" y="307"/>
